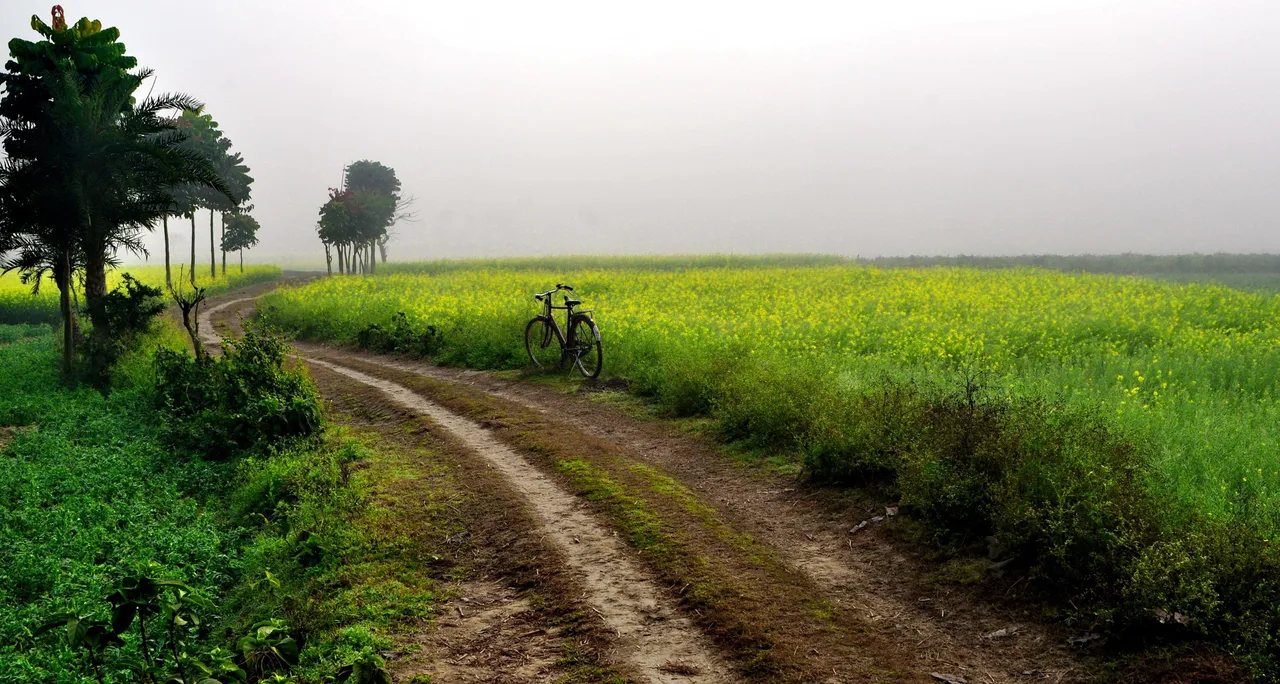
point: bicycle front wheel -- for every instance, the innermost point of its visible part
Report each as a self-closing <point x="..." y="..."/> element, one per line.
<point x="541" y="343"/>
<point x="588" y="355"/>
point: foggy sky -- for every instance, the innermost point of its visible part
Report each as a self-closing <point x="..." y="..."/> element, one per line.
<point x="867" y="128"/>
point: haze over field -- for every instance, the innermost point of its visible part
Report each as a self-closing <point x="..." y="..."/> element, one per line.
<point x="993" y="127"/>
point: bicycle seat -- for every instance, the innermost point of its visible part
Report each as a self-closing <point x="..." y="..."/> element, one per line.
<point x="572" y="302"/>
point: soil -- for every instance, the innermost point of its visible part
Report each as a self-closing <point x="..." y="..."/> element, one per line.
<point x="856" y="601"/>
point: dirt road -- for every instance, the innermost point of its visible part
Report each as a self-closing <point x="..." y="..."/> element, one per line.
<point x="700" y="568"/>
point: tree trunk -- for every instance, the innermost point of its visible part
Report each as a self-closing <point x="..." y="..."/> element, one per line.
<point x="340" y="271"/>
<point x="193" y="248"/>
<point x="241" y="260"/>
<point x="168" y="276"/>
<point x="222" y="242"/>
<point x="95" y="294"/>
<point x="328" y="260"/>
<point x="68" y="329"/>
<point x="373" y="258"/>
<point x="213" y="259"/>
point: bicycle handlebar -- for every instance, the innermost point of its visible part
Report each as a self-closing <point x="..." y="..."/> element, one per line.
<point x="548" y="293"/>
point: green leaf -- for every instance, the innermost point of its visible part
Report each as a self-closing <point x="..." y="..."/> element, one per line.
<point x="76" y="629"/>
<point x="122" y="617"/>
<point x="55" y="621"/>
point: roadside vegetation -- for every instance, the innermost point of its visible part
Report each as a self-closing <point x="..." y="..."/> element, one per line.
<point x="163" y="517"/>
<point x="91" y="163"/>
<point x="208" y="525"/>
<point x="1112" y="437"/>
<point x="241" y="562"/>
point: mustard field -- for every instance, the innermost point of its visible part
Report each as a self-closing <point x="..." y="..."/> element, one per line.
<point x="1114" y="436"/>
<point x="1191" y="371"/>
<point x="19" y="305"/>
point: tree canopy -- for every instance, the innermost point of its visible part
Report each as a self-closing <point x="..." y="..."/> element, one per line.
<point x="242" y="232"/>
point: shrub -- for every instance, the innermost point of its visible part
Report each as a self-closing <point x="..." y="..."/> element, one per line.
<point x="130" y="310"/>
<point x="245" y="399"/>
<point x="861" y="438"/>
<point x="401" y="337"/>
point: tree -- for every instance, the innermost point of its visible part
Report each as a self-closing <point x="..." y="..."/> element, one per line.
<point x="117" y="178"/>
<point x="105" y="164"/>
<point x="235" y="174"/>
<point x="241" y="233"/>
<point x="378" y="178"/>
<point x="203" y="138"/>
<point x="32" y="207"/>
<point x="350" y="223"/>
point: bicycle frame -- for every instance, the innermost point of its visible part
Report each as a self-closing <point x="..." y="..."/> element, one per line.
<point x="547" y="315"/>
<point x="566" y="341"/>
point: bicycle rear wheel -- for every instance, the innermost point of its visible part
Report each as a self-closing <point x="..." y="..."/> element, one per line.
<point x="588" y="355"/>
<point x="541" y="343"/>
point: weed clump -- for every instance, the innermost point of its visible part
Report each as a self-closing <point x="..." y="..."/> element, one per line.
<point x="245" y="399"/>
<point x="1059" y="496"/>
<point x="400" y="337"/>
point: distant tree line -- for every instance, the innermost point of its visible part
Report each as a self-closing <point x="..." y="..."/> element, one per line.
<point x="1125" y="264"/>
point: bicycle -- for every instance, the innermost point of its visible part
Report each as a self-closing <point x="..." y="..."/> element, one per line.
<point x="581" y="346"/>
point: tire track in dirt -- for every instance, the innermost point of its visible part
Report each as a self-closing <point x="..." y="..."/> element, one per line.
<point x="208" y="336"/>
<point x="658" y="640"/>
<point x="955" y="631"/>
<point x="661" y="644"/>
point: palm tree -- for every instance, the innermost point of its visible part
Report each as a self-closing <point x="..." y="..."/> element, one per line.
<point x="120" y="177"/>
<point x="36" y="226"/>
<point x="110" y="163"/>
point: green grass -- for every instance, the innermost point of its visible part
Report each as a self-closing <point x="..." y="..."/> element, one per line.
<point x="89" y="494"/>
<point x="22" y="331"/>
<point x="86" y="496"/>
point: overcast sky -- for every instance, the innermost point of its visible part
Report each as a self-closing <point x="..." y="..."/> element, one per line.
<point x="869" y="128"/>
